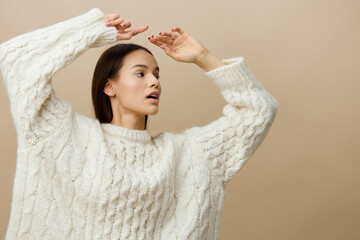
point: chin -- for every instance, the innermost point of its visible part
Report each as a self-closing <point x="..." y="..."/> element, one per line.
<point x="152" y="113"/>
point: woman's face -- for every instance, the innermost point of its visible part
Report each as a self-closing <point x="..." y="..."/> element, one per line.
<point x="138" y="77"/>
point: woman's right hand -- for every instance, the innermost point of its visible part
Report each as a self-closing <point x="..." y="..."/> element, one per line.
<point x="114" y="20"/>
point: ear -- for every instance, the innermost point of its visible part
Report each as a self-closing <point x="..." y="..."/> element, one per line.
<point x="108" y="89"/>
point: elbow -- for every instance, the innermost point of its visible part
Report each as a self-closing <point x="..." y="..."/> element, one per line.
<point x="269" y="107"/>
<point x="2" y="54"/>
<point x="3" y="58"/>
<point x="273" y="107"/>
<point x="3" y="51"/>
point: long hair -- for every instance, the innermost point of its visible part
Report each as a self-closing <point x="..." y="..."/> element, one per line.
<point x="107" y="67"/>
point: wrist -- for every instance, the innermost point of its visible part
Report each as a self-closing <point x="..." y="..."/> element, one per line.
<point x="201" y="57"/>
<point x="207" y="61"/>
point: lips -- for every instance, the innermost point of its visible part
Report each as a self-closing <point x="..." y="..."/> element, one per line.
<point x="153" y="95"/>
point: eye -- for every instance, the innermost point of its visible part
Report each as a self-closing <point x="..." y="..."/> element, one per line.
<point x="142" y="74"/>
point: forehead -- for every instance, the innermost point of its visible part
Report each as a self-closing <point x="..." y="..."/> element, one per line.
<point x="139" y="57"/>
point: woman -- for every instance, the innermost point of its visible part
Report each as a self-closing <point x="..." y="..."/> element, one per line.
<point x="107" y="178"/>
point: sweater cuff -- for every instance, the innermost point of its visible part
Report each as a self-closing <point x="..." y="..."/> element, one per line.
<point x="234" y="74"/>
<point x="93" y="24"/>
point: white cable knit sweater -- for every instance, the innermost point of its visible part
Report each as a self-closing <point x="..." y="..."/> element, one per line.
<point x="79" y="179"/>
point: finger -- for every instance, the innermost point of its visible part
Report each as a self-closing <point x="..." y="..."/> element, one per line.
<point x="111" y="17"/>
<point x="152" y="40"/>
<point x="155" y="42"/>
<point x="177" y="29"/>
<point x="168" y="34"/>
<point x="126" y="35"/>
<point x="125" y="25"/>
<point x="165" y="47"/>
<point x="164" y="39"/>
<point x="141" y="29"/>
<point x="162" y="45"/>
<point x="115" y="22"/>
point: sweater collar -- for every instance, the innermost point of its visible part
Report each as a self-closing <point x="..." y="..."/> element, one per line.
<point x="131" y="134"/>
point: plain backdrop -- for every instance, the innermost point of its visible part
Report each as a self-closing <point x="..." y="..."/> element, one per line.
<point x="303" y="182"/>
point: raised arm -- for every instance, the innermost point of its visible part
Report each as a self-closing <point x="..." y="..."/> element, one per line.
<point x="227" y="143"/>
<point x="29" y="61"/>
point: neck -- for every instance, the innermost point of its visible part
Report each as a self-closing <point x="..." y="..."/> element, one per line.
<point x="130" y="121"/>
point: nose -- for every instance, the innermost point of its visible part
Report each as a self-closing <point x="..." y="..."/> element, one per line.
<point x="154" y="81"/>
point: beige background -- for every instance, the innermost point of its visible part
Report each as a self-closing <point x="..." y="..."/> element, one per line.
<point x="303" y="181"/>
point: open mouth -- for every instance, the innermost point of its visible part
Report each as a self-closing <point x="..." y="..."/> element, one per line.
<point x="154" y="100"/>
<point x="154" y="96"/>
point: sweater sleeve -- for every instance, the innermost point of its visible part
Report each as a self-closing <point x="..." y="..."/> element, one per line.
<point x="227" y="143"/>
<point x="28" y="63"/>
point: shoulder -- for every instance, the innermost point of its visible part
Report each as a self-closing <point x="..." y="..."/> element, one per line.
<point x="83" y="121"/>
<point x="85" y="127"/>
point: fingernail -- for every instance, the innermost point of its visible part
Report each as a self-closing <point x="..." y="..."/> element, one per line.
<point x="108" y="23"/>
<point x="134" y="33"/>
<point x="123" y="25"/>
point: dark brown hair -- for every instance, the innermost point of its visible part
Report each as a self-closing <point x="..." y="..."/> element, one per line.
<point x="107" y="67"/>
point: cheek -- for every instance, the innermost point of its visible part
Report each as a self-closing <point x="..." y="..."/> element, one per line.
<point x="131" y="86"/>
<point x="139" y="88"/>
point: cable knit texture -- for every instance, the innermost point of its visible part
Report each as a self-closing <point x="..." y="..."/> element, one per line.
<point x="79" y="179"/>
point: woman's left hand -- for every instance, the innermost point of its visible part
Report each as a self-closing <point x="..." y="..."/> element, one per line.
<point x="184" y="48"/>
<point x="181" y="47"/>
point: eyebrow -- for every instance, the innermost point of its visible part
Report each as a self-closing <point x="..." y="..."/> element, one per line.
<point x="144" y="66"/>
